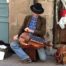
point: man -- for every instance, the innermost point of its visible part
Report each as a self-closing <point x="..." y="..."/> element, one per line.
<point x="36" y="26"/>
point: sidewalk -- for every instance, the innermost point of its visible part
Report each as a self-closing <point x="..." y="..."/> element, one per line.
<point x="15" y="61"/>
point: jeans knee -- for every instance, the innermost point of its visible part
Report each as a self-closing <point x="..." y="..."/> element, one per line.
<point x="42" y="54"/>
<point x="13" y="44"/>
<point x="43" y="58"/>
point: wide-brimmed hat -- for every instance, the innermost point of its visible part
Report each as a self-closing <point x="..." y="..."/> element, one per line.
<point x="37" y="8"/>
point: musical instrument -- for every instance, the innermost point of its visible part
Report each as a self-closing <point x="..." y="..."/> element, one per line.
<point x="30" y="45"/>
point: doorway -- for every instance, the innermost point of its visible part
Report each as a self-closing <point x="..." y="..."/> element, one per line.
<point x="4" y="20"/>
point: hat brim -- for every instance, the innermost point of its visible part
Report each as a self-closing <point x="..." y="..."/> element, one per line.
<point x="33" y="9"/>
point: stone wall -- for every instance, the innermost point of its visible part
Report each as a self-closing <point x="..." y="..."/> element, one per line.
<point x="18" y="9"/>
<point x="48" y="5"/>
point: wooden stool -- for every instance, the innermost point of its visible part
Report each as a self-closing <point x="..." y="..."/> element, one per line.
<point x="32" y="53"/>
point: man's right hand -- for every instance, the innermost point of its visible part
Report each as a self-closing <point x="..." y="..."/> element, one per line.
<point x="29" y="30"/>
<point x="15" y="37"/>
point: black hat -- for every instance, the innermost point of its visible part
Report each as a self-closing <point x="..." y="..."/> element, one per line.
<point x="37" y="8"/>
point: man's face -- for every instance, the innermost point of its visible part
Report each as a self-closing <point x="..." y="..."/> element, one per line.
<point x="34" y="14"/>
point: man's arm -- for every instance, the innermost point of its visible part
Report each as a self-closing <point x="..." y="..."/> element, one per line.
<point x="23" y="26"/>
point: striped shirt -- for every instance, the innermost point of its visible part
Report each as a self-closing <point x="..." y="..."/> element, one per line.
<point x="32" y="24"/>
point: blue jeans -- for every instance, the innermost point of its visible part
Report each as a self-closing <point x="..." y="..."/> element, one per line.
<point x="42" y="54"/>
<point x="18" y="50"/>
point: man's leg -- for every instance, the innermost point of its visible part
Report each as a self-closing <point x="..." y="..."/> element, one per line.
<point x="18" y="50"/>
<point x="42" y="54"/>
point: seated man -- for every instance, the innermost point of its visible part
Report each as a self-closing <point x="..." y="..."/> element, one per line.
<point x="36" y="26"/>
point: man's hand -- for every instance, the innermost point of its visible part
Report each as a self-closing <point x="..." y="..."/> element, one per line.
<point x="22" y="41"/>
<point x="28" y="30"/>
<point x="15" y="37"/>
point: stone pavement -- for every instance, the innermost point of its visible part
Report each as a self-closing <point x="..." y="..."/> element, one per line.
<point x="15" y="61"/>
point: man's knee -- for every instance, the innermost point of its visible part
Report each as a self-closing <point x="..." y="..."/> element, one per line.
<point x="42" y="54"/>
<point x="13" y="44"/>
<point x="43" y="58"/>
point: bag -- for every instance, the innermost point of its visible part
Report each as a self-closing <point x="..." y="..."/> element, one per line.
<point x="5" y="50"/>
<point x="60" y="55"/>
